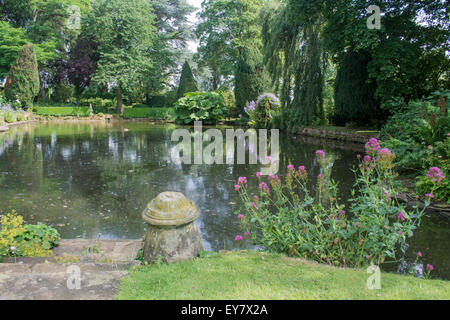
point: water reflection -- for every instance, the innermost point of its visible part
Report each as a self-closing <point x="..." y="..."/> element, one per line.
<point x="91" y="179"/>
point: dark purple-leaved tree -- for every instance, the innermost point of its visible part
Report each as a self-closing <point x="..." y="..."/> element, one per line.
<point x="81" y="65"/>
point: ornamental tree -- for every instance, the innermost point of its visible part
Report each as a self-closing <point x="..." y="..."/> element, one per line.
<point x="23" y="79"/>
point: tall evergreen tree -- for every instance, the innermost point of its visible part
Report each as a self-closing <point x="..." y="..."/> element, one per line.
<point x="187" y="81"/>
<point x="249" y="78"/>
<point x="23" y="79"/>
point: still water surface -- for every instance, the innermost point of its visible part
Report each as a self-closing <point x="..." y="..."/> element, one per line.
<point x="93" y="179"/>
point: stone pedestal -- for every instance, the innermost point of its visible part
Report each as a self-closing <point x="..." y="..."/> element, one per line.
<point x="172" y="233"/>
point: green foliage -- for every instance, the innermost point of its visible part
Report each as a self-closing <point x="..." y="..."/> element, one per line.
<point x="249" y="78"/>
<point x="9" y="116"/>
<point x="441" y="191"/>
<point x="63" y="111"/>
<point x="140" y="105"/>
<point x="262" y="111"/>
<point x="158" y="101"/>
<point x="229" y="101"/>
<point x="147" y="113"/>
<point x="23" y="79"/>
<point x="125" y="34"/>
<point x="418" y="134"/>
<point x="354" y="93"/>
<point x="199" y="106"/>
<point x="19" y="240"/>
<point x="11" y="42"/>
<point x="227" y="27"/>
<point x="187" y="81"/>
<point x="63" y="93"/>
<point x="286" y="217"/>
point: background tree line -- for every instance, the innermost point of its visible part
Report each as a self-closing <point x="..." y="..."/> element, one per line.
<point x="319" y="57"/>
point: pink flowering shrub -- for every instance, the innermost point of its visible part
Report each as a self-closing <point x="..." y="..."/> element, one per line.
<point x="434" y="185"/>
<point x="285" y="216"/>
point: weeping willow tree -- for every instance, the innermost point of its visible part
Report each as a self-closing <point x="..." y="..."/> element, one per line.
<point x="294" y="55"/>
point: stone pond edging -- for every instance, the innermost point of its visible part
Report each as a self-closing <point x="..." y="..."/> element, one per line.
<point x="335" y="135"/>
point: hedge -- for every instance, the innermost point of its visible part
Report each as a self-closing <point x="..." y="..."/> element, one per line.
<point x="147" y="113"/>
<point x="63" y="111"/>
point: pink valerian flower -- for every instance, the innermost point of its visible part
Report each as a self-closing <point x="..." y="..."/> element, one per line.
<point x="264" y="187"/>
<point x="358" y="156"/>
<point x="320" y="154"/>
<point x="253" y="205"/>
<point x="238" y="238"/>
<point x="400" y="216"/>
<point x="258" y="174"/>
<point x="372" y="146"/>
<point x="430" y="147"/>
<point x="358" y="224"/>
<point x="429" y="195"/>
<point x="302" y="173"/>
<point x="256" y="198"/>
<point x="246" y="234"/>
<point x="274" y="180"/>
<point x="399" y="232"/>
<point x="419" y="254"/>
<point x="430" y="267"/>
<point x="240" y="217"/>
<point x="237" y="187"/>
<point x="291" y="167"/>
<point x="435" y="175"/>
<point x="385" y="152"/>
<point x="242" y="180"/>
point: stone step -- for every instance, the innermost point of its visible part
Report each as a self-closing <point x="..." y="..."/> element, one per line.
<point x="98" y="285"/>
<point x="14" y="268"/>
<point x="101" y="263"/>
<point x="87" y="251"/>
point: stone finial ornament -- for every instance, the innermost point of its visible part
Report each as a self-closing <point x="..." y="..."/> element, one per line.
<point x="172" y="232"/>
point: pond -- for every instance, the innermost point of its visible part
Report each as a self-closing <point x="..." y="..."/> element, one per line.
<point x="93" y="179"/>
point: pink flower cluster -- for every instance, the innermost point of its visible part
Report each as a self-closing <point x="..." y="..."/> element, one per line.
<point x="400" y="216"/>
<point x="320" y="155"/>
<point x="274" y="180"/>
<point x="372" y="146"/>
<point x="435" y="175"/>
<point x="264" y="187"/>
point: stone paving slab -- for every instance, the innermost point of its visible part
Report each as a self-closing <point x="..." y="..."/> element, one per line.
<point x="101" y="264"/>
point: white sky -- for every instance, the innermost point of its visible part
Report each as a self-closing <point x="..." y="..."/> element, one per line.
<point x="192" y="45"/>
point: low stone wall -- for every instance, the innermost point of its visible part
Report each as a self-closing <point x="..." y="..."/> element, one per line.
<point x="335" y="135"/>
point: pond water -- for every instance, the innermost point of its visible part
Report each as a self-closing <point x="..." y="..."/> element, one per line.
<point x="93" y="179"/>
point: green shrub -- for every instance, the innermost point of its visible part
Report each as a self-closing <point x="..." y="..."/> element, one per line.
<point x="418" y="134"/>
<point x="27" y="240"/>
<point x="147" y="113"/>
<point x="286" y="217"/>
<point x="63" y="111"/>
<point x="157" y="101"/>
<point x="199" y="106"/>
<point x="10" y="117"/>
<point x="63" y="93"/>
<point x="229" y="101"/>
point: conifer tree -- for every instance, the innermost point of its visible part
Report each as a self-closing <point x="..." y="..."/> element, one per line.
<point x="23" y="79"/>
<point x="187" y="81"/>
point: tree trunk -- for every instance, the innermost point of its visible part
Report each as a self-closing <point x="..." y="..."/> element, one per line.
<point x="119" y="98"/>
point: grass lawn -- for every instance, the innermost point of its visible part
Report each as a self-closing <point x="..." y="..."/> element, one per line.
<point x="250" y="275"/>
